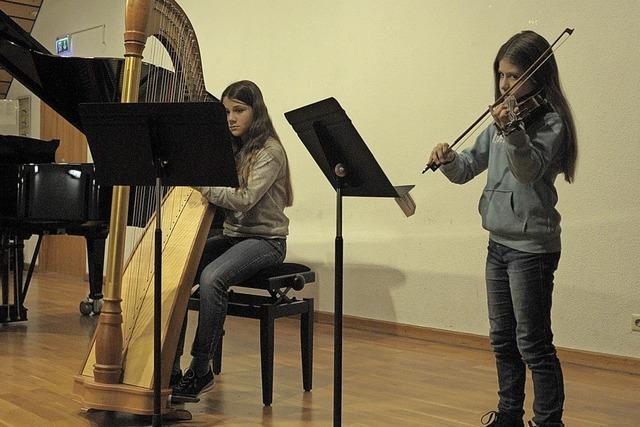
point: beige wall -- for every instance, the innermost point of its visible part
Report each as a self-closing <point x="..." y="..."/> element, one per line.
<point x="412" y="73"/>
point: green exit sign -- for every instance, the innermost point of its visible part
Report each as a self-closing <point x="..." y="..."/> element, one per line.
<point x="63" y="45"/>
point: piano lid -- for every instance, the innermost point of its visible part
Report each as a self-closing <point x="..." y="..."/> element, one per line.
<point x="65" y="82"/>
<point x="16" y="34"/>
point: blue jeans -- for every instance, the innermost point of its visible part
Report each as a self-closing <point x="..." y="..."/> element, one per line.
<point x="519" y="288"/>
<point x="225" y="262"/>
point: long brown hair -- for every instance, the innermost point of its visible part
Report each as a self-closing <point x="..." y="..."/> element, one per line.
<point x="522" y="50"/>
<point x="260" y="130"/>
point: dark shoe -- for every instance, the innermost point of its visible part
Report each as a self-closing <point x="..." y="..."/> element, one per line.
<point x="532" y="424"/>
<point x="497" y="419"/>
<point x="191" y="385"/>
<point x="175" y="378"/>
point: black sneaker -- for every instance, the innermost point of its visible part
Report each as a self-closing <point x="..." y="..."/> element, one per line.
<point x="532" y="424"/>
<point x="175" y="378"/>
<point x="497" y="419"/>
<point x="191" y="385"/>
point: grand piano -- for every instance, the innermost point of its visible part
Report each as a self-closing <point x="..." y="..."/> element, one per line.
<point x="40" y="197"/>
<point x="63" y="83"/>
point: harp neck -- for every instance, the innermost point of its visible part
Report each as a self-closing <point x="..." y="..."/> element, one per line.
<point x="166" y="21"/>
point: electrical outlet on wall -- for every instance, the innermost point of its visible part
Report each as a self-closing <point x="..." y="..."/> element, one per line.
<point x="635" y="322"/>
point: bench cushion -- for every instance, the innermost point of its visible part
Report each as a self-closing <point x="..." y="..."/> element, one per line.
<point x="287" y="274"/>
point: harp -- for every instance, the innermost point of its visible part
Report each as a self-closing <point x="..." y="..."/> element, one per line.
<point x="117" y="373"/>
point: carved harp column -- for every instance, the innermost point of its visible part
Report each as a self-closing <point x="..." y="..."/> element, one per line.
<point x="117" y="374"/>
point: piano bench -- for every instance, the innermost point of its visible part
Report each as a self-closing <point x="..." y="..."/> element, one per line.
<point x="277" y="282"/>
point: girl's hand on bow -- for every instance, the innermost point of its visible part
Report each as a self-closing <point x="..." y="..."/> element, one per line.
<point x="441" y="155"/>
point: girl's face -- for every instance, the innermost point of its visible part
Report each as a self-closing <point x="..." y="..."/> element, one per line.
<point x="508" y="74"/>
<point x="239" y="116"/>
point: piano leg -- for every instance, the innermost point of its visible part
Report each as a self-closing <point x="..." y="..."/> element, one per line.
<point x="95" y="255"/>
<point x="12" y="308"/>
<point x="4" y="272"/>
<point x="18" y="267"/>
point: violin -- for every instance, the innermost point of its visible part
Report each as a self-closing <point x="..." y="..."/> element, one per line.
<point x="525" y="110"/>
<point x="532" y="100"/>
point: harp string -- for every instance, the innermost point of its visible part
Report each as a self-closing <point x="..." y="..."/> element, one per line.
<point x="169" y="51"/>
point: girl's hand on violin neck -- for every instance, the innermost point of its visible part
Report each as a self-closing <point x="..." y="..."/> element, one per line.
<point x="501" y="112"/>
<point x="441" y="155"/>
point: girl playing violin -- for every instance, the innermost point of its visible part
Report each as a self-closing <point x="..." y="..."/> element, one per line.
<point x="523" y="151"/>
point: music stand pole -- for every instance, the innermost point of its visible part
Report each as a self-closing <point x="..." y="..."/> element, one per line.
<point x="340" y="172"/>
<point x="157" y="301"/>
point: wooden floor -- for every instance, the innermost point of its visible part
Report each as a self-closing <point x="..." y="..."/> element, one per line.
<point x="388" y="381"/>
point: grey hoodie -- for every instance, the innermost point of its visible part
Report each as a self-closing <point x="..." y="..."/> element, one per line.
<point x="518" y="202"/>
<point x="256" y="210"/>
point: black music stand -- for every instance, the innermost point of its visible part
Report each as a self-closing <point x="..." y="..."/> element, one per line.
<point x="175" y="144"/>
<point x="342" y="155"/>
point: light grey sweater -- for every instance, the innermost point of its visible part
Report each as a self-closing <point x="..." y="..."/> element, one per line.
<point x="518" y="202"/>
<point x="256" y="210"/>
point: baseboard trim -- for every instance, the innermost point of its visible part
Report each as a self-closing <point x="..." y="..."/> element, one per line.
<point x="27" y="265"/>
<point x="609" y="362"/>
